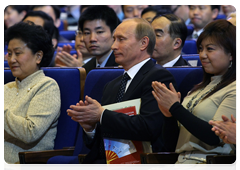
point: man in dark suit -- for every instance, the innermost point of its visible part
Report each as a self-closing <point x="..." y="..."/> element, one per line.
<point x="134" y="41"/>
<point x="171" y="33"/>
<point x="97" y="24"/>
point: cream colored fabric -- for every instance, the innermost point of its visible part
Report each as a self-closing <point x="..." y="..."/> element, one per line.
<point x="192" y="151"/>
<point x="220" y="103"/>
<point x="31" y="111"/>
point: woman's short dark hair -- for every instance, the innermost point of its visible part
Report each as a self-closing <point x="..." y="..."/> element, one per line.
<point x="223" y="33"/>
<point x="101" y="12"/>
<point x="35" y="37"/>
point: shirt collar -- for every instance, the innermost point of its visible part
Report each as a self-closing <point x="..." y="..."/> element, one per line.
<point x="104" y="60"/>
<point x="133" y="70"/>
<point x="197" y="32"/>
<point x="171" y="63"/>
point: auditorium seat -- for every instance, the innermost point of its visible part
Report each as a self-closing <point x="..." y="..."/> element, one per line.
<point x="94" y="85"/>
<point x="220" y="16"/>
<point x="97" y="79"/>
<point x="190" y="29"/>
<point x="61" y="44"/>
<point x="186" y="78"/>
<point x="71" y="83"/>
<point x="192" y="59"/>
<point x="69" y="35"/>
<point x="6" y="64"/>
<point x="190" y="47"/>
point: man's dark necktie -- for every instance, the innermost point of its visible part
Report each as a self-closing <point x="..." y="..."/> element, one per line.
<point x="122" y="87"/>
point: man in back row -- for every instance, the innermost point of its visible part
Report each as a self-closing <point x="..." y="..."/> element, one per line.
<point x="200" y="16"/>
<point x="97" y="24"/>
<point x="171" y="33"/>
<point x="134" y="41"/>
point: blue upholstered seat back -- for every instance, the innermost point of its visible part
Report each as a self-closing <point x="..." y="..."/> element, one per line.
<point x="190" y="47"/>
<point x="61" y="44"/>
<point x="6" y="63"/>
<point x="69" y="35"/>
<point x="96" y="80"/>
<point x="68" y="80"/>
<point x="186" y="78"/>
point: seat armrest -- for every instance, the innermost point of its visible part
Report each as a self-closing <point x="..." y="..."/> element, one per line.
<point x="159" y="158"/>
<point x="81" y="157"/>
<point x="221" y="159"/>
<point x="41" y="157"/>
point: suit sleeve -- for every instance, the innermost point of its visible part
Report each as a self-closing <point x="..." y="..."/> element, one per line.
<point x="147" y="126"/>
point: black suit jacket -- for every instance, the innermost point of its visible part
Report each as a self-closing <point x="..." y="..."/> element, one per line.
<point x="92" y="63"/>
<point x="181" y="62"/>
<point x="144" y="127"/>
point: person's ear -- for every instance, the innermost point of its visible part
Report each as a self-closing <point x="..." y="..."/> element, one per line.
<point x="215" y="13"/>
<point x="177" y="43"/>
<point x="57" y="23"/>
<point x="144" y="43"/>
<point x="39" y="56"/>
<point x="22" y="14"/>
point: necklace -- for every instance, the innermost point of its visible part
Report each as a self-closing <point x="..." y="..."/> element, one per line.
<point x="189" y="108"/>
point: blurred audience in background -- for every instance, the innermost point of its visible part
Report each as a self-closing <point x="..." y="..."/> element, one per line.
<point x="182" y="11"/>
<point x="200" y="16"/>
<point x="44" y="20"/>
<point x="150" y="12"/>
<point x="118" y="10"/>
<point x="14" y="14"/>
<point x="232" y="18"/>
<point x="52" y="10"/>
<point x="131" y="11"/>
<point x="228" y="9"/>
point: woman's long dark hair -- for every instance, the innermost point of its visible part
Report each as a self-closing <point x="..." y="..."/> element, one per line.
<point x="222" y="33"/>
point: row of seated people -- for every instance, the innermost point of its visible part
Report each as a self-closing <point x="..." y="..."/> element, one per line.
<point x="59" y="14"/>
<point x="192" y="59"/>
<point x="140" y="86"/>
<point x="71" y="82"/>
<point x="69" y="133"/>
<point x="189" y="47"/>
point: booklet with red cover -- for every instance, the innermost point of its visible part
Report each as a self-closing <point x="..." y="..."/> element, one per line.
<point x="121" y="151"/>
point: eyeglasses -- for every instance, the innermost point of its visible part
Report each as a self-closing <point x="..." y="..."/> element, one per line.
<point x="78" y="33"/>
<point x="175" y="9"/>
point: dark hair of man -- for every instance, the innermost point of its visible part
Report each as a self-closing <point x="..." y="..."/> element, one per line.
<point x="35" y="37"/>
<point x="19" y="8"/>
<point x="222" y="33"/>
<point x="82" y="7"/>
<point x="148" y="9"/>
<point x="215" y="7"/>
<point x="163" y="9"/>
<point x="177" y="28"/>
<point x="48" y="21"/>
<point x="144" y="28"/>
<point x="56" y="9"/>
<point x="99" y="12"/>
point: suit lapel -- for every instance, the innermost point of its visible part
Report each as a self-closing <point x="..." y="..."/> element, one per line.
<point x="138" y="78"/>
